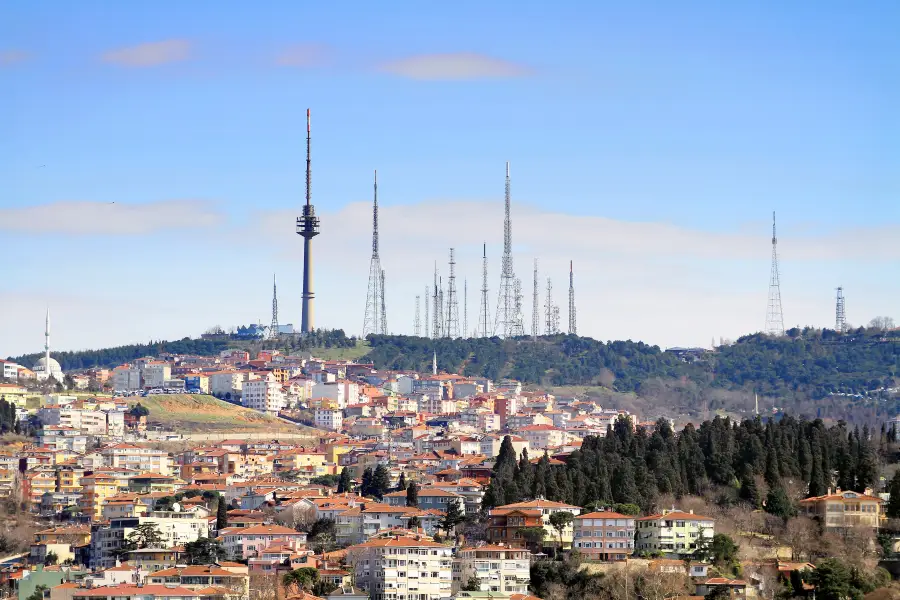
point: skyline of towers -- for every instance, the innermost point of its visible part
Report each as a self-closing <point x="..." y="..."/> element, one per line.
<point x="774" y="314"/>
<point x="373" y="320"/>
<point x="308" y="228"/>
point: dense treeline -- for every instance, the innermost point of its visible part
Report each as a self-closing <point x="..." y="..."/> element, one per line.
<point x="111" y="357"/>
<point x="637" y="466"/>
<point x="803" y="364"/>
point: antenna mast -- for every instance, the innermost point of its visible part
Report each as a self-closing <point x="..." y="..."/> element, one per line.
<point x="573" y="330"/>
<point x="436" y="309"/>
<point x="273" y="328"/>
<point x="840" y="317"/>
<point x="308" y="228"/>
<point x="504" y="319"/>
<point x="452" y="330"/>
<point x="374" y="295"/>
<point x="427" y="297"/>
<point x="484" y="317"/>
<point x="465" y="325"/>
<point x="535" y="305"/>
<point x="383" y="321"/>
<point x="417" y="324"/>
<point x="551" y="311"/>
<point x="774" y="316"/>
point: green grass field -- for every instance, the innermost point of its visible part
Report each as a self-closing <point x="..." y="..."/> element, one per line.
<point x="194" y="413"/>
<point x="355" y="353"/>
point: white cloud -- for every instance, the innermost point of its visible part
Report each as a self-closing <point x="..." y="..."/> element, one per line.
<point x="149" y="54"/>
<point x="302" y="55"/>
<point x="454" y="66"/>
<point x="86" y="218"/>
<point x="12" y="57"/>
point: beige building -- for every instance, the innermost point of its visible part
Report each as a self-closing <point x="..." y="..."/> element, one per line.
<point x="673" y="532"/>
<point x="604" y="535"/>
<point x="499" y="568"/>
<point x="395" y="567"/>
<point x="264" y="395"/>
<point x="845" y="509"/>
<point x="137" y="458"/>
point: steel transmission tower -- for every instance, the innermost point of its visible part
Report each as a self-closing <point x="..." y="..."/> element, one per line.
<point x="548" y="309"/>
<point x="308" y="228"/>
<point x="273" y="328"/>
<point x="840" y="317"/>
<point x="417" y="324"/>
<point x="372" y="320"/>
<point x="427" y="297"/>
<point x="535" y="305"/>
<point x="465" y="325"/>
<point x="504" y="319"/>
<point x="573" y="329"/>
<point x="774" y="316"/>
<point x="484" y="317"/>
<point x="452" y="329"/>
<point x="436" y="308"/>
<point x="383" y="321"/>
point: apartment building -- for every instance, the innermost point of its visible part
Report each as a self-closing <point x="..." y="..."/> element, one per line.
<point x="430" y="498"/>
<point x="126" y="378"/>
<point x="604" y="535"/>
<point x="499" y="568"/>
<point x="506" y="522"/>
<point x="839" y="509"/>
<point x="97" y="487"/>
<point x="60" y="437"/>
<point x="176" y="529"/>
<point x="226" y="384"/>
<point x="490" y="445"/>
<point x="155" y="374"/>
<point x="247" y="542"/>
<point x="329" y="418"/>
<point x="137" y="458"/>
<point x="673" y="532"/>
<point x="264" y="395"/>
<point x="543" y="436"/>
<point x="402" y="568"/>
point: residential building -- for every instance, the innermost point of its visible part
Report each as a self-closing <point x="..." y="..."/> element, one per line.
<point x="842" y="509"/>
<point x="155" y="374"/>
<point x="199" y="577"/>
<point x="604" y="535"/>
<point x="506" y="522"/>
<point x="542" y="436"/>
<point x="430" y="498"/>
<point x="329" y="418"/>
<point x="196" y="383"/>
<point x="60" y="437"/>
<point x="247" y="542"/>
<point x="398" y="567"/>
<point x="138" y="458"/>
<point x="264" y="395"/>
<point x="226" y="384"/>
<point x="176" y="529"/>
<point x="126" y="378"/>
<point x="673" y="532"/>
<point x="499" y="568"/>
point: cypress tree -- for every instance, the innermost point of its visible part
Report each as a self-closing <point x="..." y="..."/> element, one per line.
<point x="365" y="487"/>
<point x="221" y="514"/>
<point x="866" y="463"/>
<point x="623" y="486"/>
<point x="401" y="482"/>
<point x="773" y="477"/>
<point x="381" y="481"/>
<point x="749" y="489"/>
<point x="893" y="505"/>
<point x="412" y="494"/>
<point x="506" y="460"/>
<point x="817" y="485"/>
<point x="344" y="483"/>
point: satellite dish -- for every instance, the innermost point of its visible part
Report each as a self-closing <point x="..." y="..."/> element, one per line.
<point x="176" y="507"/>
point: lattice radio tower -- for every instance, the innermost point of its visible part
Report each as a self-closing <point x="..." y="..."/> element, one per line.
<point x="372" y="321"/>
<point x="427" y="322"/>
<point x="383" y="321"/>
<point x="484" y="317"/>
<point x="417" y="323"/>
<point x="840" y="314"/>
<point x="504" y="319"/>
<point x="535" y="305"/>
<point x="452" y="329"/>
<point x="551" y="311"/>
<point x="465" y="325"/>
<point x="436" y="307"/>
<point x="774" y="316"/>
<point x="273" y="328"/>
<point x="573" y="330"/>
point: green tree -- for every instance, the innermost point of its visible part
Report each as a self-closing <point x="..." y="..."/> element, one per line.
<point x="472" y="585"/>
<point x="204" y="551"/>
<point x="139" y="410"/>
<point x="401" y="482"/>
<point x="326" y="480"/>
<point x="365" y="487"/>
<point x="145" y="535"/>
<point x="164" y="503"/>
<point x="749" y="490"/>
<point x="893" y="505"/>
<point x="381" y="481"/>
<point x="221" y="514"/>
<point x="560" y="520"/>
<point x="778" y="504"/>
<point x="773" y="477"/>
<point x="722" y="551"/>
<point x="412" y="494"/>
<point x="533" y="536"/>
<point x="627" y="509"/>
<point x="38" y="593"/>
<point x="832" y="580"/>
<point x="51" y="558"/>
<point x="300" y="579"/>
<point x="453" y="517"/>
<point x="344" y="483"/>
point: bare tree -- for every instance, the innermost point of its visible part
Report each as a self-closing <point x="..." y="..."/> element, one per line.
<point x="264" y="586"/>
<point x="882" y="323"/>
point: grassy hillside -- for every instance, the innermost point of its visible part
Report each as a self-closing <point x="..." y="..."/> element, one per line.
<point x="336" y="353"/>
<point x="192" y="413"/>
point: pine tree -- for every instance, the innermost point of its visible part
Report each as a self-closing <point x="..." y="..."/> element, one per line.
<point x="773" y="477"/>
<point x="344" y="483"/>
<point x="381" y="481"/>
<point x="453" y="517"/>
<point x="749" y="489"/>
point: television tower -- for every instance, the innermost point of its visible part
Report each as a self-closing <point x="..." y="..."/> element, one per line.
<point x="452" y="329"/>
<point x="551" y="311"/>
<point x="417" y="324"/>
<point x="774" y="316"/>
<point x="535" y="305"/>
<point x="573" y="330"/>
<point x="518" y="323"/>
<point x="427" y="297"/>
<point x="308" y="228"/>
<point x="505" y="318"/>
<point x="465" y="325"/>
<point x="372" y="318"/>
<point x="273" y="328"/>
<point x="436" y="308"/>
<point x="840" y="318"/>
<point x="484" y="317"/>
<point x="383" y="320"/>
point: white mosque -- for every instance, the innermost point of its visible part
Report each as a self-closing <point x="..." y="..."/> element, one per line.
<point x="47" y="367"/>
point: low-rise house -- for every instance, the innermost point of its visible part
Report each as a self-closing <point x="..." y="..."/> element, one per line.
<point x="246" y="542"/>
<point x="505" y="522"/>
<point x="604" y="535"/>
<point x="673" y="532"/>
<point x="842" y="509"/>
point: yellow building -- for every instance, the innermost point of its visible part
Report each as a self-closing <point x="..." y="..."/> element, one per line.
<point x="845" y="509"/>
<point x="96" y="489"/>
<point x="14" y="393"/>
<point x="334" y="450"/>
<point x="68" y="478"/>
<point x="62" y="541"/>
<point x="673" y="532"/>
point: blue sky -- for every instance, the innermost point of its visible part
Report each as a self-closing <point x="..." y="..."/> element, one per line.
<point x="649" y="143"/>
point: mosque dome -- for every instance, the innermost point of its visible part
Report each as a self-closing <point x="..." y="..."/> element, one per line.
<point x="42" y="372"/>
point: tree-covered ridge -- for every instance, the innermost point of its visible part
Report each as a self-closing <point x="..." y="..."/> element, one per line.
<point x="111" y="357"/>
<point x="638" y="465"/>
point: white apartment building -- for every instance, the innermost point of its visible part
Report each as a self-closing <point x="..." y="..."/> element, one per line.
<point x="329" y="418"/>
<point x="59" y="437"/>
<point x="126" y="378"/>
<point x="499" y="568"/>
<point x="92" y="422"/>
<point x="155" y="374"/>
<point x="176" y="528"/>
<point x="543" y="436"/>
<point x="342" y="392"/>
<point x="432" y="403"/>
<point x="223" y="383"/>
<point x="10" y="370"/>
<point x="136" y="458"/>
<point x="264" y="395"/>
<point x="395" y="568"/>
